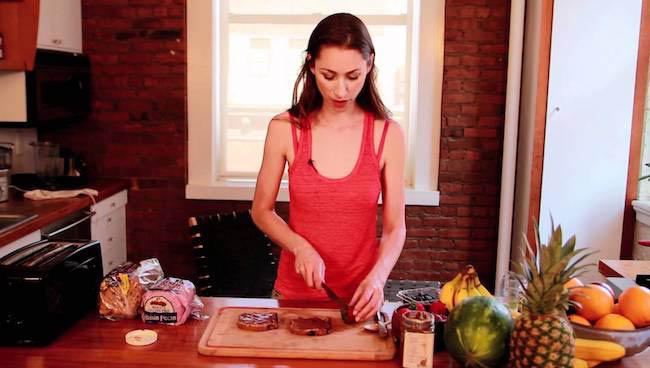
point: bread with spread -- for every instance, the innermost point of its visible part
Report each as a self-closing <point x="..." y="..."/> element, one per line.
<point x="258" y="321"/>
<point x="310" y="326"/>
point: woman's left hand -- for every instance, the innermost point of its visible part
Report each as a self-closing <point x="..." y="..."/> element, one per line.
<point x="368" y="298"/>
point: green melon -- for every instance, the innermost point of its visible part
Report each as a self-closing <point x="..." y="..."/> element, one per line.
<point x="477" y="332"/>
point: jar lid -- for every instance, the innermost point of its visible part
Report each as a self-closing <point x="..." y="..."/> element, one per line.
<point x="418" y="316"/>
<point x="141" y="337"/>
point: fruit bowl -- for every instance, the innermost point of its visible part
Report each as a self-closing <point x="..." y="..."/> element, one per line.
<point x="634" y="341"/>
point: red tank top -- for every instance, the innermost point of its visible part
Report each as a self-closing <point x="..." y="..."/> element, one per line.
<point x="337" y="217"/>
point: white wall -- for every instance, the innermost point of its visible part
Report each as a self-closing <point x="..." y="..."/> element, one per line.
<point x="589" y="115"/>
<point x="13" y="96"/>
<point x="23" y="154"/>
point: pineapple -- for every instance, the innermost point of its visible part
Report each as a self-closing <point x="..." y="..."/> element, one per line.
<point x="542" y="336"/>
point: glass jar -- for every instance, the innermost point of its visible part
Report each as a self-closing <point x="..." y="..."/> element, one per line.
<point x="48" y="162"/>
<point x="416" y="340"/>
<point x="510" y="294"/>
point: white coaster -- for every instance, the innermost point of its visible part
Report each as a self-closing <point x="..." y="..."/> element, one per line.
<point x="141" y="337"/>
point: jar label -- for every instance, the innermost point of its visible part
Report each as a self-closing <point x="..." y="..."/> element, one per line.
<point x="418" y="350"/>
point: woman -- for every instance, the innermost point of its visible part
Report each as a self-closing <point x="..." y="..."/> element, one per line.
<point x="342" y="152"/>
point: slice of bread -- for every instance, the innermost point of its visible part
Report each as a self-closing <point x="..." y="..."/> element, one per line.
<point x="312" y="326"/>
<point x="258" y="321"/>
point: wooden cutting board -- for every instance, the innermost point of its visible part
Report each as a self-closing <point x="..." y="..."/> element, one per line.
<point x="349" y="342"/>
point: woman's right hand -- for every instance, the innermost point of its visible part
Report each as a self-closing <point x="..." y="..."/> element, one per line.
<point x="310" y="266"/>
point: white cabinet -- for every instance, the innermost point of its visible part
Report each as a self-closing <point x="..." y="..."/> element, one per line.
<point x="588" y="121"/>
<point x="59" y="25"/>
<point x="574" y="141"/>
<point x="108" y="225"/>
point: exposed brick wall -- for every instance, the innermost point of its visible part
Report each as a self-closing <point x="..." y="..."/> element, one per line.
<point x="463" y="229"/>
<point x="138" y="130"/>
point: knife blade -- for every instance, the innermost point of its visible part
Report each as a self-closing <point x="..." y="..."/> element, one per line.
<point x="344" y="308"/>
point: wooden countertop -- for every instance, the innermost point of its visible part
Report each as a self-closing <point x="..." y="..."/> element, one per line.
<point x="623" y="268"/>
<point x="51" y="210"/>
<point x="99" y="343"/>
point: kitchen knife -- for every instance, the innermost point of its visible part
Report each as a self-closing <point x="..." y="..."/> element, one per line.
<point x="344" y="308"/>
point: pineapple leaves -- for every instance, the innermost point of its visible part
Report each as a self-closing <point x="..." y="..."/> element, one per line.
<point x="546" y="268"/>
<point x="569" y="246"/>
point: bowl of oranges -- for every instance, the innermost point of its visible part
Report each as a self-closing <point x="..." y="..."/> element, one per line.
<point x="597" y="315"/>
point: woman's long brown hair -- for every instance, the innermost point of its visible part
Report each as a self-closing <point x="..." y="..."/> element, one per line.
<point x="343" y="30"/>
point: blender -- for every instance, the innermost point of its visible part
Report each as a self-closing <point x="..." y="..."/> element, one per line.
<point x="48" y="164"/>
<point x="56" y="167"/>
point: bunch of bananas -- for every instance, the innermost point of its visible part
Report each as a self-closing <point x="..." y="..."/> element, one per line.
<point x="590" y="353"/>
<point x="465" y="284"/>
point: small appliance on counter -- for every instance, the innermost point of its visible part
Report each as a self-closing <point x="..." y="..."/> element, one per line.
<point x="46" y="287"/>
<point x="56" y="168"/>
<point x="6" y="154"/>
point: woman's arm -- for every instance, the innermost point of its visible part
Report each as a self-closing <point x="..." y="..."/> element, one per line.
<point x="369" y="296"/>
<point x="308" y="263"/>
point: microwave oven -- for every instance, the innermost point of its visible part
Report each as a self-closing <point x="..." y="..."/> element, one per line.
<point x="58" y="88"/>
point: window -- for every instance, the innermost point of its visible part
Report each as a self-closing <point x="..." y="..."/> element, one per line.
<point x="243" y="57"/>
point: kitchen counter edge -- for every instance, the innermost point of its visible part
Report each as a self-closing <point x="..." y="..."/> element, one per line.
<point x="51" y="210"/>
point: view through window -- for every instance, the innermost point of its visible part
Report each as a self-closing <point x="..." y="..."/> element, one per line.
<point x="262" y="47"/>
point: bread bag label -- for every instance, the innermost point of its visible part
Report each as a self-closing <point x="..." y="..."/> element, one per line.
<point x="159" y="309"/>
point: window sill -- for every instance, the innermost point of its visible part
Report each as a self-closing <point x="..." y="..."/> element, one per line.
<point x="244" y="190"/>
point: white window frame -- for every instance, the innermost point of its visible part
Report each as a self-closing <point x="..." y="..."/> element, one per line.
<point x="203" y="94"/>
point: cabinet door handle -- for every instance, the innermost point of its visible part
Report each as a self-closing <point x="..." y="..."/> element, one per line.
<point x="57" y="41"/>
<point x="110" y="219"/>
<point x="110" y="240"/>
<point x="113" y="204"/>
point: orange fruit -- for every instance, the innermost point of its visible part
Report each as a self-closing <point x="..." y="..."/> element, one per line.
<point x="573" y="283"/>
<point x="614" y="321"/>
<point x="579" y="320"/>
<point x="617" y="308"/>
<point x="635" y="305"/>
<point x="594" y="301"/>
<point x="605" y="286"/>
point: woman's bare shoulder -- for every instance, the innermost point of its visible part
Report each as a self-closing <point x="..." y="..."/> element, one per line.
<point x="395" y="129"/>
<point x="279" y="130"/>
<point x="281" y="121"/>
<point x="283" y="116"/>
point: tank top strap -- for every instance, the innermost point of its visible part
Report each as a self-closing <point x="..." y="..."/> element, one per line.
<point x="305" y="133"/>
<point x="294" y="138"/>
<point x="304" y="142"/>
<point x="368" y="129"/>
<point x="383" y="138"/>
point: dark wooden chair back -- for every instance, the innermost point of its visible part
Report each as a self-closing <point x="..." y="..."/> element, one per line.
<point x="233" y="257"/>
